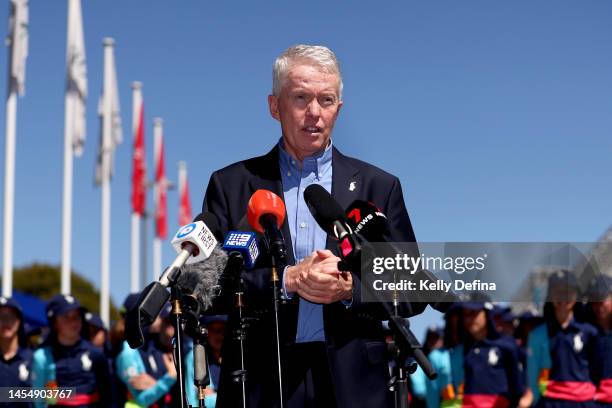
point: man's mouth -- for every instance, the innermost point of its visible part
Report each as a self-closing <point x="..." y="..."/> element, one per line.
<point x="312" y="129"/>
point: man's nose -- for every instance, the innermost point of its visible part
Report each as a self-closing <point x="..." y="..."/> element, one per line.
<point x="313" y="108"/>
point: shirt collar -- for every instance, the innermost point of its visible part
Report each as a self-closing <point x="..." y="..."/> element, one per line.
<point x="318" y="162"/>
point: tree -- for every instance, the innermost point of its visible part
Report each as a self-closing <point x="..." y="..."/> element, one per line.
<point x="43" y="281"/>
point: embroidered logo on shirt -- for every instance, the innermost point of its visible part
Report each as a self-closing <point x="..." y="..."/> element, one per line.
<point x="23" y="372"/>
<point x="578" y="344"/>
<point x="86" y="361"/>
<point x="493" y="357"/>
<point x="152" y="363"/>
<point x="352" y="186"/>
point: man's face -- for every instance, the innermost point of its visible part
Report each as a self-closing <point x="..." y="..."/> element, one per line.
<point x="307" y="108"/>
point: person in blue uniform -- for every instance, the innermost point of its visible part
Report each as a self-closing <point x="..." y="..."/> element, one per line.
<point x="148" y="373"/>
<point x="16" y="360"/>
<point x="600" y="308"/>
<point x="561" y="351"/>
<point x="484" y="366"/>
<point x="67" y="360"/>
<point x="435" y="392"/>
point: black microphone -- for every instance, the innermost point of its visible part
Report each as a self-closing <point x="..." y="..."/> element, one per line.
<point x="330" y="216"/>
<point x="373" y="225"/>
<point x="328" y="213"/>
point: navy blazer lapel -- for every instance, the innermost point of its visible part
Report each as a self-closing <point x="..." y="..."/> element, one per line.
<point x="270" y="179"/>
<point x="345" y="184"/>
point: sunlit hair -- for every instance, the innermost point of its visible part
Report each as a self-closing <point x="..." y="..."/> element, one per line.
<point x="316" y="55"/>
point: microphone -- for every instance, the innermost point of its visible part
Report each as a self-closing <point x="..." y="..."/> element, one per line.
<point x="196" y="240"/>
<point x="328" y="213"/>
<point x="373" y="226"/>
<point x="244" y="243"/>
<point x="330" y="216"/>
<point x="266" y="214"/>
<point x="202" y="280"/>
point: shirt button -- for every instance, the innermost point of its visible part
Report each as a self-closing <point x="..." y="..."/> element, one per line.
<point x="476" y="351"/>
<point x="302" y="224"/>
<point x="289" y="173"/>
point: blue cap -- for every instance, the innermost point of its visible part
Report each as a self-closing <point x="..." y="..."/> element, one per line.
<point x="129" y="302"/>
<point x="213" y="318"/>
<point x="562" y="278"/>
<point x="61" y="304"/>
<point x="528" y="315"/>
<point x="94" y="320"/>
<point x="599" y="288"/>
<point x="504" y="313"/>
<point x="10" y="302"/>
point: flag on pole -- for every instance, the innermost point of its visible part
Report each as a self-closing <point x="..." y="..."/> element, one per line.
<point x="184" y="201"/>
<point x="139" y="180"/>
<point x="76" y="74"/>
<point x="116" y="132"/>
<point x="18" y="41"/>
<point x="161" y="208"/>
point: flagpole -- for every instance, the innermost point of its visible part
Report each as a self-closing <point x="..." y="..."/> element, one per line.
<point x="157" y="249"/>
<point x="106" y="193"/>
<point x="18" y="52"/>
<point x="67" y="195"/>
<point x="135" y="256"/>
<point x="74" y="135"/>
<point x="9" y="189"/>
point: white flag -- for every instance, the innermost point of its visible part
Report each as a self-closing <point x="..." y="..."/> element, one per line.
<point x="116" y="131"/>
<point x="76" y="74"/>
<point x="18" y="40"/>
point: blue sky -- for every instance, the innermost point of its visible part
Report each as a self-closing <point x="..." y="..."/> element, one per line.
<point x="496" y="116"/>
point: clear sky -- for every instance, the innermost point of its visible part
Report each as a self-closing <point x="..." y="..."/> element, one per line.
<point x="496" y="116"/>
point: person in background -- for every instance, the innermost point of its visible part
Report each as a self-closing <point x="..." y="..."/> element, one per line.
<point x="95" y="331"/>
<point x="214" y="343"/>
<point x="148" y="373"/>
<point x="600" y="304"/>
<point x="430" y="391"/>
<point x="560" y="351"/>
<point x="16" y="360"/>
<point x="67" y="360"/>
<point x="485" y="368"/>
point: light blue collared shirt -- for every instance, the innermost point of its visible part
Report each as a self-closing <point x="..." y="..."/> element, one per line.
<point x="305" y="232"/>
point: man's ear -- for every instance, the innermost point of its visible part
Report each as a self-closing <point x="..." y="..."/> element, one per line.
<point x="273" y="105"/>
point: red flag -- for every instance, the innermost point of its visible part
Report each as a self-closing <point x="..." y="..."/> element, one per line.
<point x="138" y="162"/>
<point x="161" y="208"/>
<point x="184" y="203"/>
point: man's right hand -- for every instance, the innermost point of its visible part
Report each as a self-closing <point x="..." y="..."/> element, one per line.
<point x="317" y="279"/>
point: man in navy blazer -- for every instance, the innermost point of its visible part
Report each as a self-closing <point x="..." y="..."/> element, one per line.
<point x="332" y="344"/>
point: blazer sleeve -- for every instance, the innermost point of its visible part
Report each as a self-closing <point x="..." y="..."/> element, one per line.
<point x="256" y="281"/>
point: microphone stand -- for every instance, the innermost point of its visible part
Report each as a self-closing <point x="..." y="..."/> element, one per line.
<point x="177" y="312"/>
<point x="236" y="259"/>
<point x="276" y="247"/>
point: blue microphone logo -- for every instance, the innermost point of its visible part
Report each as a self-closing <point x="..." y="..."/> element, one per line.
<point x="186" y="230"/>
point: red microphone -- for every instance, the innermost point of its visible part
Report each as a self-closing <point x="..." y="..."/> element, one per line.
<point x="266" y="214"/>
<point x="265" y="202"/>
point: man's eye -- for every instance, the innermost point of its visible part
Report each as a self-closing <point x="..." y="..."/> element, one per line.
<point x="328" y="100"/>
